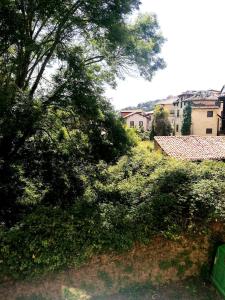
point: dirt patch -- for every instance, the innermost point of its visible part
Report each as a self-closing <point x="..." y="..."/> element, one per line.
<point x="159" y="262"/>
<point x="191" y="289"/>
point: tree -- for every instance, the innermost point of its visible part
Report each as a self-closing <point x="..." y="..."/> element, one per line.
<point x="186" y="125"/>
<point x="161" y="125"/>
<point x="72" y="37"/>
<point x="55" y="59"/>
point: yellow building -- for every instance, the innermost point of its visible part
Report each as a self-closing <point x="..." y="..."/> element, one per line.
<point x="168" y="105"/>
<point x="206" y="112"/>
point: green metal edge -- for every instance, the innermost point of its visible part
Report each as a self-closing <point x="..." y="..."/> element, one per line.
<point x="222" y="292"/>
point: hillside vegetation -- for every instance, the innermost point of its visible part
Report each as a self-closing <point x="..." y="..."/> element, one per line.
<point x="146" y="106"/>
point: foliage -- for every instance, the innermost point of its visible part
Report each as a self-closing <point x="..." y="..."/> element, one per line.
<point x="161" y="124"/>
<point x="143" y="134"/>
<point x="65" y="192"/>
<point x="152" y="133"/>
<point x="146" y="106"/>
<point x="133" y="135"/>
<point x="137" y="134"/>
<point x="186" y="126"/>
<point x="142" y="195"/>
<point x="55" y="60"/>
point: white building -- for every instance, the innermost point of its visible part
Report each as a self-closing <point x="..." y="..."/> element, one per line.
<point x="137" y="118"/>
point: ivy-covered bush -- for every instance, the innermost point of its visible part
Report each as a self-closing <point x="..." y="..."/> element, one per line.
<point x="142" y="195"/>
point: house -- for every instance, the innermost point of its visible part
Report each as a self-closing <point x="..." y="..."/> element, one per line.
<point x="137" y="118"/>
<point x="205" y="115"/>
<point x="193" y="148"/>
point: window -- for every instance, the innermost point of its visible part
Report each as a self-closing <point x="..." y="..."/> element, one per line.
<point x="140" y="123"/>
<point x="178" y="113"/>
<point x="208" y="130"/>
<point x="181" y="104"/>
<point x="209" y="114"/>
<point x="177" y="128"/>
<point x="132" y="124"/>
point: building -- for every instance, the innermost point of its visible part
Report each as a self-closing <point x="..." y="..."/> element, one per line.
<point x="205" y="115"/>
<point x="222" y="115"/>
<point x="193" y="148"/>
<point x="168" y="105"/>
<point x="137" y="119"/>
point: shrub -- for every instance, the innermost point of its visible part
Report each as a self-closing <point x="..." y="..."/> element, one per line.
<point x="142" y="195"/>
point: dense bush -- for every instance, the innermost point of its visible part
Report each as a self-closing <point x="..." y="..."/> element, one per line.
<point x="142" y="195"/>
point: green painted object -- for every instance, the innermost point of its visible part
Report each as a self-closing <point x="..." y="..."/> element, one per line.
<point x="218" y="274"/>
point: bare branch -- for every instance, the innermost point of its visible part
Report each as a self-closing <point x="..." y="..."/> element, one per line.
<point x="42" y="69"/>
<point x="39" y="29"/>
<point x="93" y="60"/>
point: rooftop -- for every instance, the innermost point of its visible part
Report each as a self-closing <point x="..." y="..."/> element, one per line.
<point x="131" y="113"/>
<point x="194" y="148"/>
<point x="131" y="110"/>
<point x="200" y="95"/>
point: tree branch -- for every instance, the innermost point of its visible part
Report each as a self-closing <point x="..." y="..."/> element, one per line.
<point x="93" y="60"/>
<point x="61" y="28"/>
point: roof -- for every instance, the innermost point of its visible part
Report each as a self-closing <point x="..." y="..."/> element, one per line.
<point x="131" y="110"/>
<point x="193" y="148"/>
<point x="203" y="93"/>
<point x="200" y="95"/>
<point x="141" y="113"/>
<point x="151" y="112"/>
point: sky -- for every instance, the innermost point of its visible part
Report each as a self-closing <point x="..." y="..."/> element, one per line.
<point x="194" y="52"/>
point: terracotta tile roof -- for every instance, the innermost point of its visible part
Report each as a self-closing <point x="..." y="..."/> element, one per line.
<point x="193" y="147"/>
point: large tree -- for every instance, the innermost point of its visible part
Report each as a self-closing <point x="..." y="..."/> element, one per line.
<point x="55" y="58"/>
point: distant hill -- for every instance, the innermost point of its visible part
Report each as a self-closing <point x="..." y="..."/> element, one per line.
<point x="149" y="105"/>
<point x="146" y="106"/>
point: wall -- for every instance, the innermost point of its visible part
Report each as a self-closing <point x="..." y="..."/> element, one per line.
<point x="170" y="109"/>
<point x="200" y="121"/>
<point x="178" y="120"/>
<point x="136" y="118"/>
